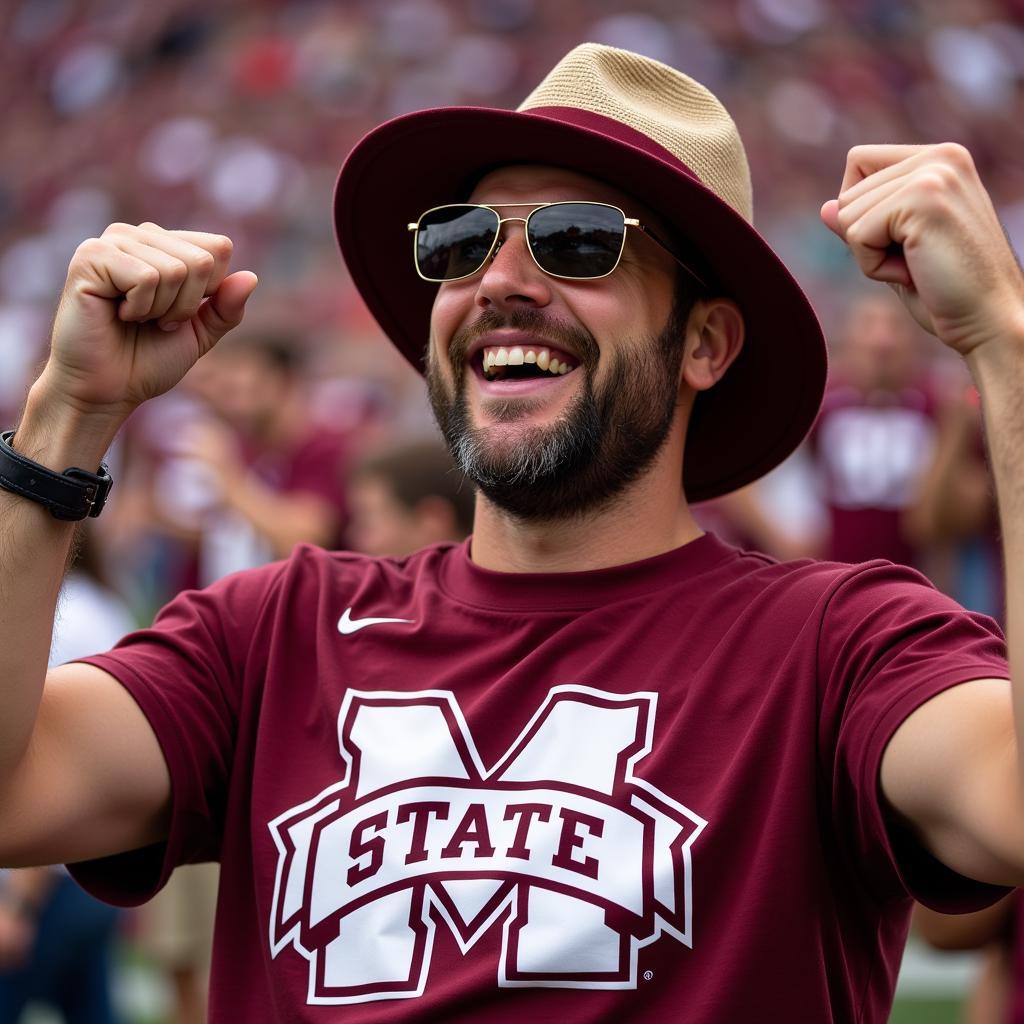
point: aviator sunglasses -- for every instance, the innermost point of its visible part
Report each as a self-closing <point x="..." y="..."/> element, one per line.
<point x="581" y="241"/>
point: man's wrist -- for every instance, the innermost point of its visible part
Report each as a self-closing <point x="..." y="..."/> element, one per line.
<point x="56" y="434"/>
<point x="72" y="495"/>
<point x="1000" y="360"/>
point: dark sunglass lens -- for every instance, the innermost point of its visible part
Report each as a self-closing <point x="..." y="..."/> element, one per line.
<point x="454" y="241"/>
<point x="577" y="239"/>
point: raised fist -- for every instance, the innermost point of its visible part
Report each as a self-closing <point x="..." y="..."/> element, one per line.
<point x="919" y="219"/>
<point x="141" y="304"/>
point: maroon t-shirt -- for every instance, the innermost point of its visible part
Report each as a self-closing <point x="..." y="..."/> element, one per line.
<point x="871" y="450"/>
<point x="643" y="793"/>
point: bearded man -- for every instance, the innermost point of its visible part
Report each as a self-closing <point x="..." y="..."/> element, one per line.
<point x="593" y="764"/>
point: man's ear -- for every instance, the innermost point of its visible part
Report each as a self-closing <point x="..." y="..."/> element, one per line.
<point x="714" y="338"/>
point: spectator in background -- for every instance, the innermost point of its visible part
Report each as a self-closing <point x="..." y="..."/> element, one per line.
<point x="997" y="996"/>
<point x="176" y="934"/>
<point x="955" y="507"/>
<point x="874" y="436"/>
<point x="275" y="475"/>
<point x="407" y="497"/>
<point x="869" y="454"/>
<point x="56" y="943"/>
<point x="749" y="519"/>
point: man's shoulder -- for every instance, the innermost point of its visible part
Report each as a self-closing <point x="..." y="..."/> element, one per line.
<point x="821" y="580"/>
<point x="766" y="570"/>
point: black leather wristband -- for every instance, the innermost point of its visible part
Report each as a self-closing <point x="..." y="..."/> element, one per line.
<point x="71" y="495"/>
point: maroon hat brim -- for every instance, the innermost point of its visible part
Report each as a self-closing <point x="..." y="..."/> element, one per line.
<point x="742" y="427"/>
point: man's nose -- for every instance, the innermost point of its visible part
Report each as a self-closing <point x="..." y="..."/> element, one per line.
<point x="510" y="277"/>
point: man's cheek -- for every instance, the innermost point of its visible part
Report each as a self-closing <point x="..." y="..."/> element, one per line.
<point x="437" y="368"/>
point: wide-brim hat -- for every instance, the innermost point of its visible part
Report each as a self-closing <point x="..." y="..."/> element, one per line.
<point x="650" y="131"/>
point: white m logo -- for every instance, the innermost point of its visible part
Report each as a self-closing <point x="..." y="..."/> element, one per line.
<point x="583" y="862"/>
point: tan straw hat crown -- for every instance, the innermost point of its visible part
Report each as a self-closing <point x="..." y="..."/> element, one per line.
<point x="655" y="134"/>
<point x="659" y="102"/>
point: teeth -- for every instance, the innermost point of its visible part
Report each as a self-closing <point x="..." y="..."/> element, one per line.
<point x="517" y="356"/>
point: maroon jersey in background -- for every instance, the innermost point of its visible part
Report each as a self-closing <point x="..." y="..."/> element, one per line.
<point x="642" y="793"/>
<point x="871" y="449"/>
<point x="313" y="463"/>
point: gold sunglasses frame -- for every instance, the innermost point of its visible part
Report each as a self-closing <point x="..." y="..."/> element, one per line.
<point x="627" y="222"/>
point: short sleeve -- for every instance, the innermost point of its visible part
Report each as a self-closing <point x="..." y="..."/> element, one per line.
<point x="889" y="642"/>
<point x="187" y="673"/>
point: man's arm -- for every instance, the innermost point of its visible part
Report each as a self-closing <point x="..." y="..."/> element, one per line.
<point x="283" y="519"/>
<point x="919" y="219"/>
<point x="81" y="773"/>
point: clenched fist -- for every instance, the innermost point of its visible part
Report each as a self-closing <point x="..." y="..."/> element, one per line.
<point x="141" y="304"/>
<point x="919" y="219"/>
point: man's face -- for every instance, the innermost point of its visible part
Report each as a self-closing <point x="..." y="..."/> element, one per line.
<point x="244" y="388"/>
<point x="539" y="444"/>
<point x="880" y="345"/>
<point x="380" y="524"/>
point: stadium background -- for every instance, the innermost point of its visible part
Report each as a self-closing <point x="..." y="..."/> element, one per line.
<point x="234" y="117"/>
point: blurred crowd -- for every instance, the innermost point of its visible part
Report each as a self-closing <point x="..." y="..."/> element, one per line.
<point x="235" y="116"/>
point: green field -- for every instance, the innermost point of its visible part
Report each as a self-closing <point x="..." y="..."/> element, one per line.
<point x="925" y="1011"/>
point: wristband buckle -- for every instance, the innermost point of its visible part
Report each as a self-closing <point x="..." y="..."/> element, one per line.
<point x="97" y="487"/>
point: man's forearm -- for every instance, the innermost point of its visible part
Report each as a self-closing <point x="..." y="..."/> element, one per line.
<point x="283" y="519"/>
<point x="34" y="549"/>
<point x="999" y="373"/>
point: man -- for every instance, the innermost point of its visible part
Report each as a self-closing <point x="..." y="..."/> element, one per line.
<point x="874" y="437"/>
<point x="407" y="496"/>
<point x="592" y="765"/>
<point x="954" y="505"/>
<point x="277" y="474"/>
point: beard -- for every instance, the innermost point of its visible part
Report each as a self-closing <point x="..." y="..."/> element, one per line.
<point x="598" y="446"/>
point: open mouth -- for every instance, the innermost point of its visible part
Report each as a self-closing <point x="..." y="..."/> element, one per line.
<point x="497" y="362"/>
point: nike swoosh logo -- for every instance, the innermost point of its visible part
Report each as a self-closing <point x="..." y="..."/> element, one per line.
<point x="347" y="625"/>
